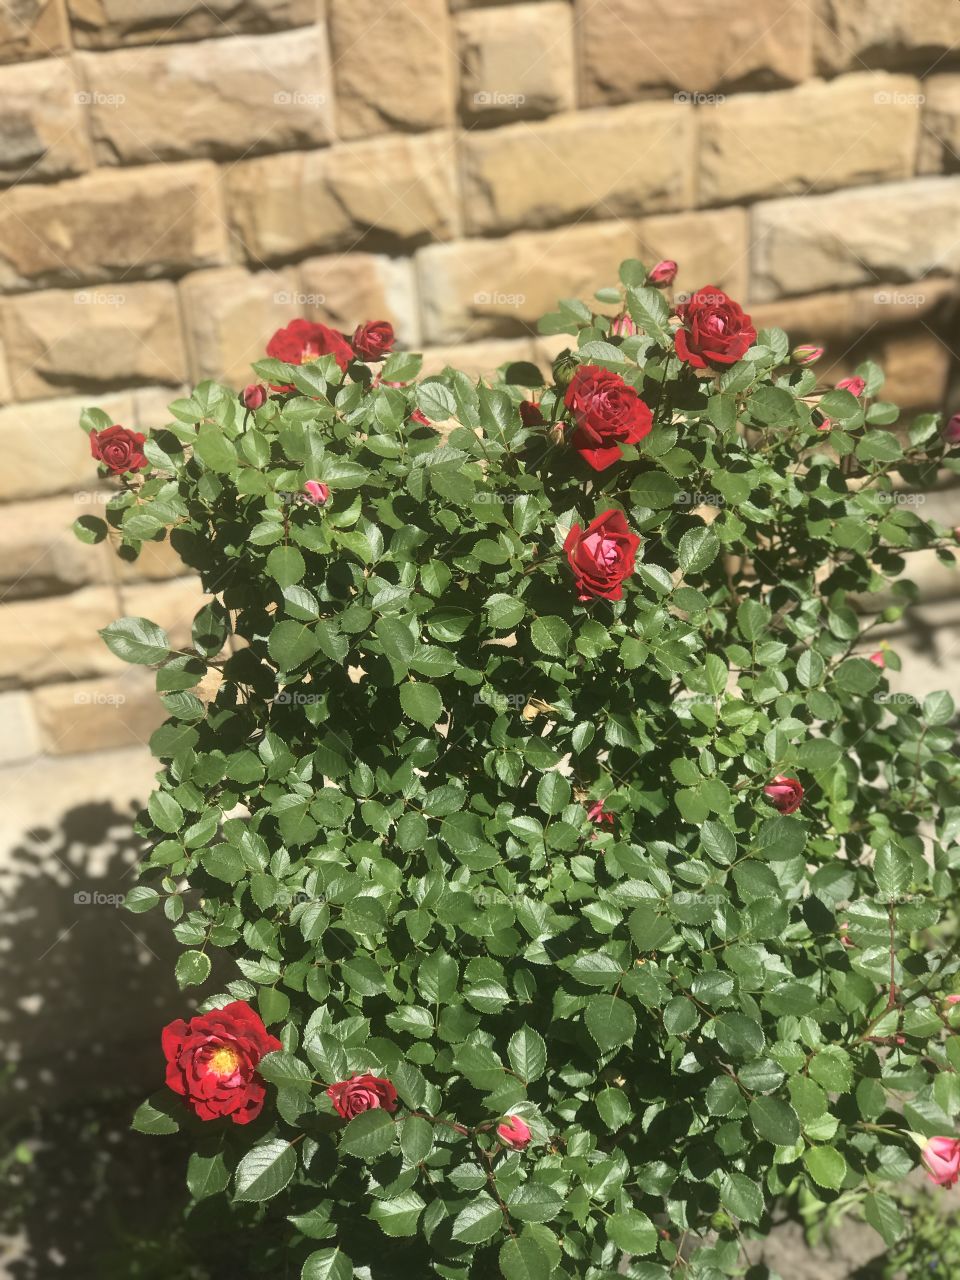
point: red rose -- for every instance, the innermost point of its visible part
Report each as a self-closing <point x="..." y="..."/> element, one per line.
<point x="119" y="449"/>
<point x="362" y="1093"/>
<point x="373" y="341"/>
<point x="663" y="274"/>
<point x="212" y="1059"/>
<point x="716" y="330"/>
<point x="785" y="794"/>
<point x="512" y="1132"/>
<point x="531" y="415"/>
<point x="601" y="556"/>
<point x="302" y="340"/>
<point x="606" y="411"/>
<point x="254" y="396"/>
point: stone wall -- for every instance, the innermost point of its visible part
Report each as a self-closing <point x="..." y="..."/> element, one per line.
<point x="179" y="179"/>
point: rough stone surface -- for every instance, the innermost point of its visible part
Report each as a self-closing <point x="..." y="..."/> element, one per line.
<point x="20" y="740"/>
<point x="54" y="344"/>
<point x="347" y="289"/>
<point x="103" y="24"/>
<point x="852" y="238"/>
<point x="516" y="62"/>
<point x="393" y="65"/>
<point x="478" y="359"/>
<point x="838" y="317"/>
<point x="32" y="29"/>
<point x="386" y="192"/>
<point x="216" y="98"/>
<point x="940" y="127"/>
<point x="917" y="365"/>
<point x="842" y="133"/>
<point x="56" y="639"/>
<point x="886" y="33"/>
<point x="41" y="556"/>
<point x="172" y="605"/>
<point x="624" y="162"/>
<point x="107" y="226"/>
<point x="230" y="315"/>
<point x="710" y="248"/>
<point x="41" y="129"/>
<point x="98" y="715"/>
<point x="52" y="453"/>
<point x="630" y="47"/>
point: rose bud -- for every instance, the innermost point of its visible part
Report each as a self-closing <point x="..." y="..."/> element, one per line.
<point x="420" y="417"/>
<point x="623" y="326"/>
<point x="807" y="354"/>
<point x="531" y="414"/>
<point x="608" y="412"/>
<point x="821" y="421"/>
<point x="878" y="659"/>
<point x="254" y="396"/>
<point x="856" y="386"/>
<point x="513" y="1133"/>
<point x="941" y="1156"/>
<point x="716" y="331"/>
<point x="362" y="1093"/>
<point x="211" y="1062"/>
<point x="373" y="341"/>
<point x="317" y="492"/>
<point x="599" y="815"/>
<point x="601" y="556"/>
<point x="785" y="794"/>
<point x="119" y="449"/>
<point x="663" y="274"/>
<point x="951" y="432"/>
<point x="952" y="1000"/>
<point x="845" y="939"/>
<point x="564" y="368"/>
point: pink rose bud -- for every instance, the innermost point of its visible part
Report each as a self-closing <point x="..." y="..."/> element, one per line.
<point x="785" y="794"/>
<point x="845" y="939"/>
<point x="952" y="1000"/>
<point x="856" y="386"/>
<point x="623" y="327"/>
<point x="421" y="418"/>
<point x="807" y="354"/>
<point x="316" y="492"/>
<point x="878" y="659"/>
<point x="254" y="396"/>
<point x="821" y="421"/>
<point x="513" y="1133"/>
<point x="942" y="1159"/>
<point x="951" y="432"/>
<point x="663" y="274"/>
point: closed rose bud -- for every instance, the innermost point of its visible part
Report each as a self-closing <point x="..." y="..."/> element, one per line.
<point x="845" y="939"/>
<point x="599" y="815"/>
<point x="856" y="386"/>
<point x="373" y="341"/>
<point x="951" y="432"/>
<point x="513" y="1133"/>
<point x="531" y="414"/>
<point x="878" y="659"/>
<point x="564" y="367"/>
<point x="807" y="354"/>
<point x="663" y="274"/>
<point x="316" y="492"/>
<point x="941" y="1156"/>
<point x="821" y="421"/>
<point x="254" y="396"/>
<point x="785" y="794"/>
<point x="421" y="418"/>
<point x="623" y="326"/>
<point x="952" y="1000"/>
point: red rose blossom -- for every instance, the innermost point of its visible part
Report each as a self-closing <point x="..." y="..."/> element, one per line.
<point x="607" y="411"/>
<point x="601" y="556"/>
<point x="119" y="449"/>
<point x="254" y="396"/>
<point x="362" y="1093"/>
<point x="212" y="1059"/>
<point x="951" y="432"/>
<point x="785" y="794"/>
<point x="373" y="341"/>
<point x="716" y="330"/>
<point x="302" y="340"/>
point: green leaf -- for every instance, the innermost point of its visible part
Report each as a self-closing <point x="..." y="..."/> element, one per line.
<point x="632" y="1231"/>
<point x="398" y="1215"/>
<point x="698" y="549"/>
<point x="153" y="1116"/>
<point x="479" y="1221"/>
<point x="214" y="450"/>
<point x="882" y="1213"/>
<point x="368" y="1135"/>
<point x="524" y="1258"/>
<point x="610" y="1021"/>
<point x="193" y="968"/>
<point x="286" y="565"/>
<point x="265" y="1170"/>
<point x="290" y="644"/>
<point x="553" y="793"/>
<point x="534" y="1202"/>
<point x="327" y="1264"/>
<point x="826" y="1167"/>
<point x="421" y="702"/>
<point x="137" y="640"/>
<point x="286" y="1071"/>
<point x="775" y="1121"/>
<point x="742" y="1196"/>
<point x="551" y="636"/>
<point x="207" y="1175"/>
<point x="527" y="1053"/>
<point x="938" y="708"/>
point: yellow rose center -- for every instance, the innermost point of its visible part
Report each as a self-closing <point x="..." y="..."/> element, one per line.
<point x="223" y="1061"/>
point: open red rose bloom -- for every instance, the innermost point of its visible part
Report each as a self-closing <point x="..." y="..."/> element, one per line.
<point x="119" y="449"/>
<point x="212" y="1060"/>
<point x="608" y="412"/>
<point x="716" y="330"/>
<point x="601" y="556"/>
<point x="362" y="1093"/>
<point x="302" y="341"/>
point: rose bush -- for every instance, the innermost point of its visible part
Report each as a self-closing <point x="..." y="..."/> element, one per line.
<point x="550" y="817"/>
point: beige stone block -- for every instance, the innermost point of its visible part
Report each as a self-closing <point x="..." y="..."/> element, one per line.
<point x="393" y="65"/>
<point x="151" y="405"/>
<point x="480" y="288"/>
<point x="43" y="134"/>
<point x="20" y="739"/>
<point x="230" y="316"/>
<point x="940" y="125"/>
<point x="516" y="61"/>
<point x="32" y="29"/>
<point x="834" y="319"/>
<point x="215" y="98"/>
<point x="53" y="344"/>
<point x="386" y="192"/>
<point x="478" y="359"/>
<point x="804" y="245"/>
<point x="344" y="290"/>
<point x="99" y="715"/>
<point x="708" y="247"/>
<point x="152" y="221"/>
<point x="629" y="48"/>
<point x="842" y="133"/>
<point x="171" y="605"/>
<point x="156" y="562"/>
<point x="611" y="164"/>
<point x="56" y="639"/>
<point x="51" y="452"/>
<point x="886" y="33"/>
<point x="41" y="555"/>
<point x="104" y="24"/>
<point x="917" y="365"/>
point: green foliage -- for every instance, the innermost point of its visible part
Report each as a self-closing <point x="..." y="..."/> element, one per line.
<point x="376" y="829"/>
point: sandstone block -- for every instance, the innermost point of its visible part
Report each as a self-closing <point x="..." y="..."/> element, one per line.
<point x="917" y="365"/>
<point x="156" y="562"/>
<point x="478" y="359"/>
<point x="42" y="135"/>
<point x="516" y="61"/>
<point x="842" y="133"/>
<point x="214" y="98"/>
<point x="834" y="319"/>
<point x="143" y="222"/>
<point x="616" y="164"/>
<point x="392" y="65"/>
<point x="230" y="316"/>
<point x="854" y="238"/>
<point x="386" y="192"/>
<point x="20" y="740"/>
<point x="98" y="715"/>
<point x="632" y="47"/>
<point x="171" y="605"/>
<point x="104" y="24"/>
<point x="345" y="290"/>
<point x="55" y="343"/>
<point x="41" y="555"/>
<point x="885" y="33"/>
<point x="709" y="247"/>
<point x="940" y="127"/>
<point x="48" y="640"/>
<point x="32" y="29"/>
<point x="52" y="453"/>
